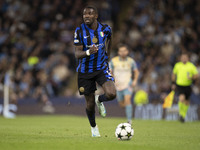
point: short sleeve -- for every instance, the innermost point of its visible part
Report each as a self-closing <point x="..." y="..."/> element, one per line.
<point x="194" y="70"/>
<point x="108" y="32"/>
<point x="77" y="37"/>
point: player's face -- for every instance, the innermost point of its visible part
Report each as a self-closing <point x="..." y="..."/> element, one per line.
<point x="123" y="52"/>
<point x="89" y="16"/>
<point x="184" y="58"/>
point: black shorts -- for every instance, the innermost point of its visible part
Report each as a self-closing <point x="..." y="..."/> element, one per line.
<point x="186" y="90"/>
<point x="87" y="81"/>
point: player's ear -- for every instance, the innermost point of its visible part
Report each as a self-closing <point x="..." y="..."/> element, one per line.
<point x="118" y="52"/>
<point x="96" y="16"/>
<point x="127" y="52"/>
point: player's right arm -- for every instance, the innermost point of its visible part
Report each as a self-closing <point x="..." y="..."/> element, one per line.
<point x="79" y="53"/>
<point x="136" y="76"/>
<point x="173" y="77"/>
<point x="173" y="86"/>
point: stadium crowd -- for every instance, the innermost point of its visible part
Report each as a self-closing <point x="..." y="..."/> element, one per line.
<point x="36" y="46"/>
<point x="157" y="32"/>
<point x="36" y="42"/>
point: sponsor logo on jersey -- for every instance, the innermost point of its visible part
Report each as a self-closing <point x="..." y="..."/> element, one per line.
<point x="97" y="45"/>
<point x="85" y="37"/>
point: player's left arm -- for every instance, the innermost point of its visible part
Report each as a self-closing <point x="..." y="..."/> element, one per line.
<point x="195" y="73"/>
<point x="108" y="42"/>
<point x="194" y="77"/>
<point x="173" y="77"/>
<point x="136" y="76"/>
<point x="108" y="46"/>
<point x="136" y="73"/>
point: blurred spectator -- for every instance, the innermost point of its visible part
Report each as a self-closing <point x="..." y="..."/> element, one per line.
<point x="36" y="45"/>
<point x="140" y="97"/>
<point x="157" y="32"/>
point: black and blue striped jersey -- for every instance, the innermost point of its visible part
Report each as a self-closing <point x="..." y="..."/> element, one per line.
<point x="87" y="37"/>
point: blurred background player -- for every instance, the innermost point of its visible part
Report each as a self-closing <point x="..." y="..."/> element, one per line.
<point x="125" y="72"/>
<point x="184" y="73"/>
<point x="92" y="47"/>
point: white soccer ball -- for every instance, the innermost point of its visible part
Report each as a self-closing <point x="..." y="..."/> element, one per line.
<point x="124" y="131"/>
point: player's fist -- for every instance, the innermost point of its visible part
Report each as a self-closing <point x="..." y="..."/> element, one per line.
<point x="93" y="49"/>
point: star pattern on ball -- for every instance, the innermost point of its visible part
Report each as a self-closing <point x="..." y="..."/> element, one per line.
<point x="124" y="132"/>
<point x="128" y="134"/>
<point x="123" y="127"/>
<point x="119" y="135"/>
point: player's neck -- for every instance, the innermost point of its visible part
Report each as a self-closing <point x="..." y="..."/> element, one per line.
<point x="94" y="25"/>
<point x="184" y="62"/>
<point x="123" y="58"/>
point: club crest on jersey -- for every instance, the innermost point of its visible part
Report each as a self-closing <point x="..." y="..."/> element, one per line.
<point x="102" y="34"/>
<point x="94" y="40"/>
<point x="81" y="89"/>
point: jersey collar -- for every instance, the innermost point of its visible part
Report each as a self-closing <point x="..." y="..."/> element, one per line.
<point x="185" y="63"/>
<point x="90" y="28"/>
<point x="123" y="59"/>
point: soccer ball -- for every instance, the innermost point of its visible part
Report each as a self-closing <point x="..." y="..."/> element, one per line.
<point x="124" y="131"/>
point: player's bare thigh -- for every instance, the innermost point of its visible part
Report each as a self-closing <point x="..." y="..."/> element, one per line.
<point x="109" y="89"/>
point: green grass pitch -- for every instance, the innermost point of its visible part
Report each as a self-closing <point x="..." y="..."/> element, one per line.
<point x="73" y="133"/>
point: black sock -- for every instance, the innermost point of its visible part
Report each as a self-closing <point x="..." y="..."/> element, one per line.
<point x="102" y="98"/>
<point x="91" y="117"/>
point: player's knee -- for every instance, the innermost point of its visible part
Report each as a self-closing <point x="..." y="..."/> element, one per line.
<point x="121" y="104"/>
<point x="91" y="106"/>
<point x="111" y="95"/>
<point x="182" y="98"/>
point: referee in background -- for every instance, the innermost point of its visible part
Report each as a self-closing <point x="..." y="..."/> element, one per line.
<point x="184" y="73"/>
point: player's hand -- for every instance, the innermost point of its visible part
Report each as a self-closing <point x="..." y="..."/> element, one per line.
<point x="188" y="77"/>
<point x="134" y="83"/>
<point x="93" y="49"/>
<point x="173" y="87"/>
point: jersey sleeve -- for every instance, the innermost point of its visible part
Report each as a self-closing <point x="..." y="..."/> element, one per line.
<point x="194" y="70"/>
<point x="77" y="37"/>
<point x="108" y="32"/>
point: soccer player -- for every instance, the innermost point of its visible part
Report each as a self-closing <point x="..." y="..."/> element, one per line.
<point x="92" y="42"/>
<point x="123" y="69"/>
<point x="184" y="73"/>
